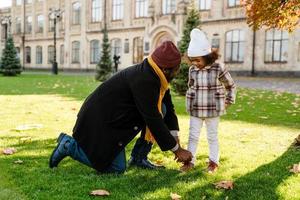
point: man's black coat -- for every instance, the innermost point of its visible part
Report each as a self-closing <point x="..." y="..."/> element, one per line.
<point x="117" y="111"/>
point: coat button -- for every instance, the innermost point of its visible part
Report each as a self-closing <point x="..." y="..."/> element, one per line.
<point x="120" y="144"/>
<point x="135" y="128"/>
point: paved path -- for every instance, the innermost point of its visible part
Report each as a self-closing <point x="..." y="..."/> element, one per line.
<point x="291" y="85"/>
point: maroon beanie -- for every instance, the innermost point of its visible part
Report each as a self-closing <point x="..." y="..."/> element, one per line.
<point x="166" y="55"/>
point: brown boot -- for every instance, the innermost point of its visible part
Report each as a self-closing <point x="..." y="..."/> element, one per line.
<point x="212" y="167"/>
<point x="187" y="167"/>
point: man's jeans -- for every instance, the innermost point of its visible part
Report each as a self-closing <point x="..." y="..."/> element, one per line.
<point x="117" y="166"/>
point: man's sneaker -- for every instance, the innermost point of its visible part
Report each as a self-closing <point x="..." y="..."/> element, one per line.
<point x="212" y="167"/>
<point x="60" y="151"/>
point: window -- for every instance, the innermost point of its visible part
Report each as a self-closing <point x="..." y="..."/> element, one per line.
<point x="76" y="13"/>
<point x="39" y="55"/>
<point x="50" y="54"/>
<point x="40" y="24"/>
<point x="18" y="25"/>
<point x="204" y="4"/>
<point x="95" y="51"/>
<point x="28" y="1"/>
<point x="28" y="24"/>
<point x="276" y="47"/>
<point x="138" y="53"/>
<point x="75" y="52"/>
<point x="51" y="26"/>
<point x="233" y="3"/>
<point x="234" y="47"/>
<point x="116" y="47"/>
<point x="141" y="8"/>
<point x="18" y="52"/>
<point x="62" y="53"/>
<point x="28" y="55"/>
<point x="118" y="7"/>
<point x="126" y="46"/>
<point x="215" y="43"/>
<point x="96" y="10"/>
<point x="18" y="2"/>
<point x="169" y="6"/>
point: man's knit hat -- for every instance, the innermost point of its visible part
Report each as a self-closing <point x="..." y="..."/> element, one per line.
<point x="166" y="55"/>
<point x="199" y="44"/>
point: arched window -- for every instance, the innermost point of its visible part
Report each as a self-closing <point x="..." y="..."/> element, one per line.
<point x="40" y="24"/>
<point x="116" y="47"/>
<point x="28" y="55"/>
<point x="138" y="52"/>
<point x="118" y="9"/>
<point x="75" y="52"/>
<point x="50" y="54"/>
<point x="276" y="47"/>
<point x="168" y="6"/>
<point x="76" y="13"/>
<point x="39" y="55"/>
<point x="141" y="8"/>
<point x="97" y="10"/>
<point x="234" y="47"/>
<point x="95" y="51"/>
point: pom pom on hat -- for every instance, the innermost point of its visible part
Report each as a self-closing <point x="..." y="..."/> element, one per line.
<point x="199" y="44"/>
<point x="166" y="55"/>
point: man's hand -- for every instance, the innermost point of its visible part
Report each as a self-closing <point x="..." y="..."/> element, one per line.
<point x="182" y="155"/>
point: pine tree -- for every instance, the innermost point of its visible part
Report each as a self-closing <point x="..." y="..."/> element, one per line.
<point x="10" y="63"/>
<point x="104" y="67"/>
<point x="192" y="21"/>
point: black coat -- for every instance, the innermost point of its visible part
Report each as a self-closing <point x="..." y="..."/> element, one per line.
<point x="118" y="110"/>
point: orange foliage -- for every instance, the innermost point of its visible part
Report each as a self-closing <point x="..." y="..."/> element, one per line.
<point x="280" y="14"/>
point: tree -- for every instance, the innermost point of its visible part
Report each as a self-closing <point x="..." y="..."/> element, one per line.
<point x="279" y="14"/>
<point x="192" y="21"/>
<point x="104" y="67"/>
<point x="10" y="63"/>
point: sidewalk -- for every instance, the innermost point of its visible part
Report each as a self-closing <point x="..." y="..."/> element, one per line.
<point x="291" y="85"/>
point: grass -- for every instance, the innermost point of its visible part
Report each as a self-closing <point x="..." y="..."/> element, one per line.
<point x="255" y="142"/>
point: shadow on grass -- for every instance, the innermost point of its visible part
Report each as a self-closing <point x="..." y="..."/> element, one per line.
<point x="262" y="183"/>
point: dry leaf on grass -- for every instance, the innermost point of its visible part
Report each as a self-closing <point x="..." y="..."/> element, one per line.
<point x="227" y="185"/>
<point x="18" y="161"/>
<point x="9" y="151"/>
<point x="295" y="169"/>
<point x="99" y="193"/>
<point x="175" y="196"/>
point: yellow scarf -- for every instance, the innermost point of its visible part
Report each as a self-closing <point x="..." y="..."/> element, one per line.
<point x="164" y="85"/>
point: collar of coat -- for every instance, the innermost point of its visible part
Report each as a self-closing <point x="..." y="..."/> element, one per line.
<point x="164" y="85"/>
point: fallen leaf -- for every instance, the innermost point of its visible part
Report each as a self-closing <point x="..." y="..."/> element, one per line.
<point x="295" y="169"/>
<point x="9" y="151"/>
<point x="18" y="161"/>
<point x="99" y="193"/>
<point x="25" y="127"/>
<point x="224" y="185"/>
<point x="73" y="108"/>
<point x="175" y="196"/>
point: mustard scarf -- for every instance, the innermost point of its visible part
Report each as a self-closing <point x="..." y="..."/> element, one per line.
<point x="164" y="85"/>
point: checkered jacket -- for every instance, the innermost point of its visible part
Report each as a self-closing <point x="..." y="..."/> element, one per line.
<point x="206" y="95"/>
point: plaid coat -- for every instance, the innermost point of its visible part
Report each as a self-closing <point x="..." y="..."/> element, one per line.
<point x="206" y="95"/>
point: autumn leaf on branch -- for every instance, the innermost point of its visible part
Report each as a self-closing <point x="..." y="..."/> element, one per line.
<point x="99" y="193"/>
<point x="227" y="185"/>
<point x="279" y="14"/>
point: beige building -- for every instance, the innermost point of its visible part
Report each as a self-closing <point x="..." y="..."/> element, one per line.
<point x="136" y="27"/>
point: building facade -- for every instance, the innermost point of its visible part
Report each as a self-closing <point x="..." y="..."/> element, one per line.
<point x="136" y="27"/>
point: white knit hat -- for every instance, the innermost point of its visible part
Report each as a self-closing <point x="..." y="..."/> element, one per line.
<point x="199" y="44"/>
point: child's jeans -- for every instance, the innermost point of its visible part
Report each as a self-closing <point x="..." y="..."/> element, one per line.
<point x="196" y="124"/>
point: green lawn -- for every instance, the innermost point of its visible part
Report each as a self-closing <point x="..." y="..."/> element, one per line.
<point x="255" y="140"/>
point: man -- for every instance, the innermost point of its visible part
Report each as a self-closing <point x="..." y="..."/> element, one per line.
<point x="119" y="109"/>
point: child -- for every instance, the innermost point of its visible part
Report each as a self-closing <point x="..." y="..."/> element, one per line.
<point x="205" y="99"/>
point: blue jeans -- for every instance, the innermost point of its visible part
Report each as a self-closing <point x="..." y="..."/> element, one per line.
<point x="75" y="151"/>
